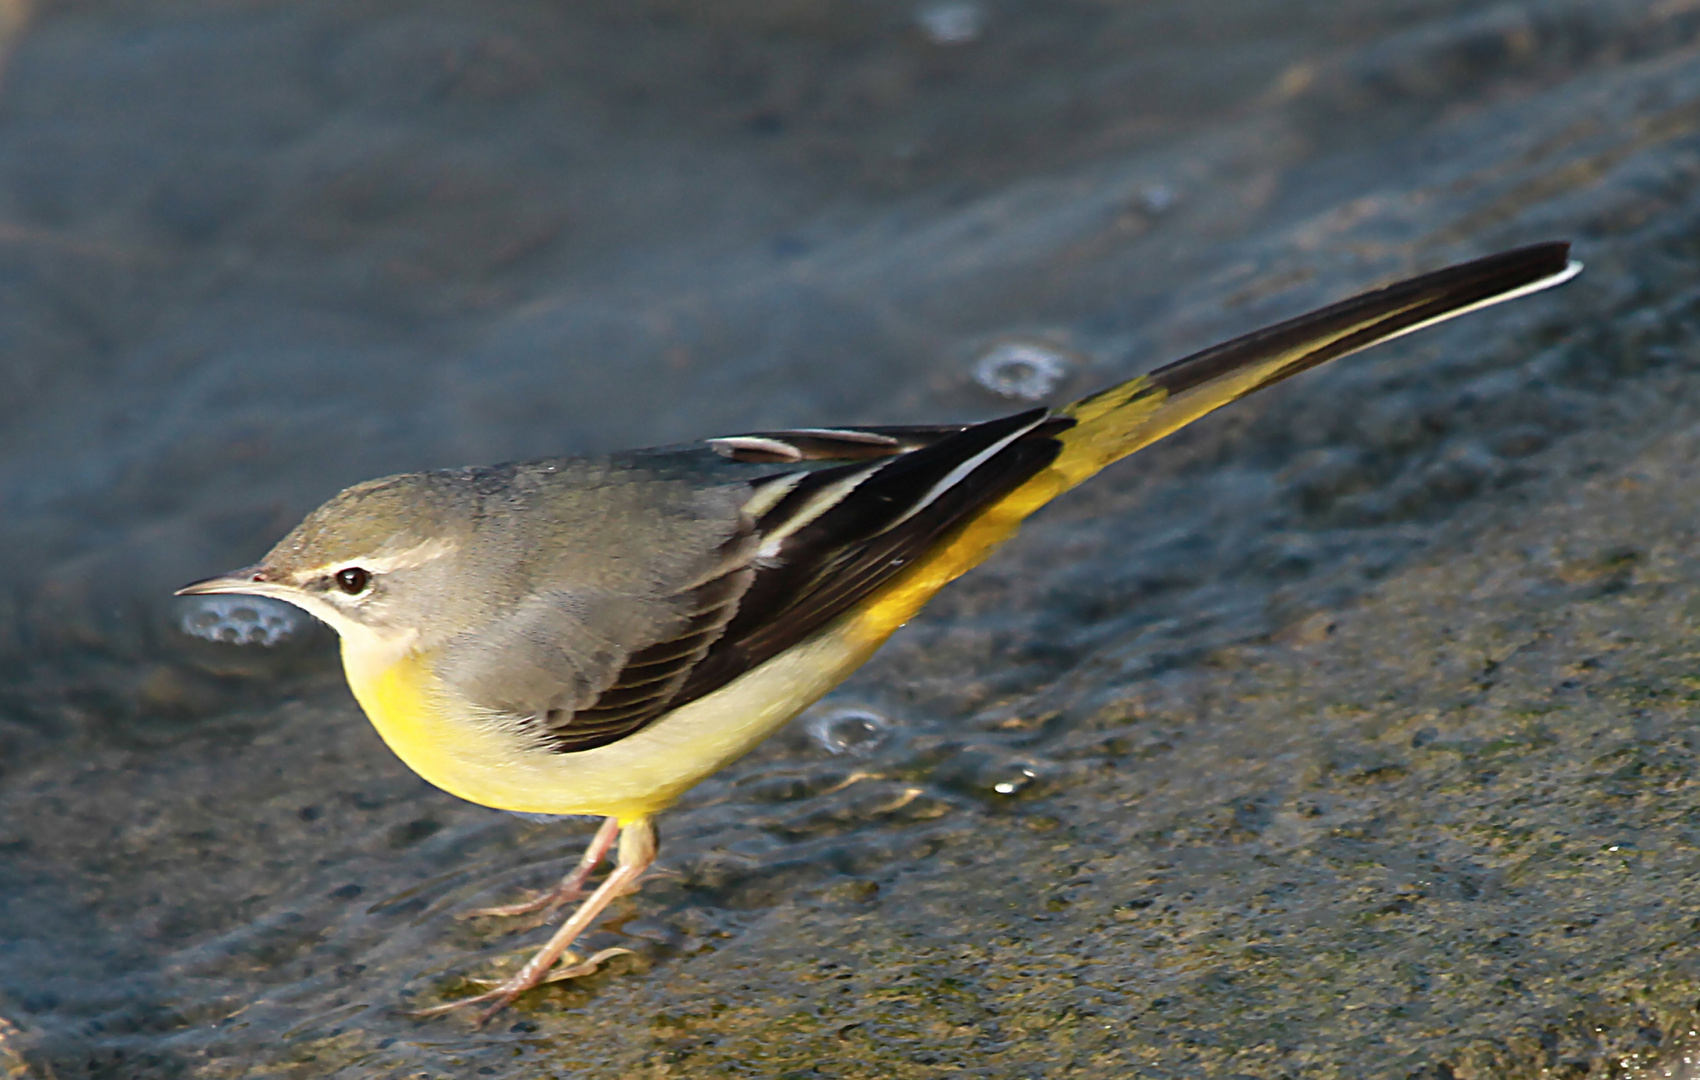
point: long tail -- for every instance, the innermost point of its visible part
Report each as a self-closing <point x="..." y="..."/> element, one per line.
<point x="1117" y="421"/>
<point x="1114" y="423"/>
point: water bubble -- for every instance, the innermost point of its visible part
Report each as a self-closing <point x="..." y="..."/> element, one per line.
<point x="848" y="731"/>
<point x="1020" y="777"/>
<point x="951" y="22"/>
<point x="988" y="772"/>
<point x="240" y="620"/>
<point x="1023" y="370"/>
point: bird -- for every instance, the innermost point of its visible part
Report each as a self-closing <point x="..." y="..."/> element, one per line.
<point x="594" y="635"/>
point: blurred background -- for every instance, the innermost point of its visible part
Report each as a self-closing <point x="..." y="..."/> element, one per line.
<point x="252" y="252"/>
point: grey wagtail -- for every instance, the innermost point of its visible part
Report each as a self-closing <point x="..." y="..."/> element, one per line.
<point x="595" y="635"/>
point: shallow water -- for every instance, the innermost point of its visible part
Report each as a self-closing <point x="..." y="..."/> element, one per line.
<point x="256" y="252"/>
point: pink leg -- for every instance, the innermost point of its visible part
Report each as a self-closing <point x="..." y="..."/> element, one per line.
<point x="637" y="851"/>
<point x="571" y="886"/>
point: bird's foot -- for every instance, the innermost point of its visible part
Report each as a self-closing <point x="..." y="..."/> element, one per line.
<point x="502" y="992"/>
<point x="637" y="852"/>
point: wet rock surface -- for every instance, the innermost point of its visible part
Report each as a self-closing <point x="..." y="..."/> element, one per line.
<point x="1346" y="734"/>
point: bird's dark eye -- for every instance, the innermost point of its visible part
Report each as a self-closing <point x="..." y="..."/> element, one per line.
<point x="353" y="580"/>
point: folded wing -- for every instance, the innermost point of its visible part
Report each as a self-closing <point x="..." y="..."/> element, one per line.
<point x="842" y="512"/>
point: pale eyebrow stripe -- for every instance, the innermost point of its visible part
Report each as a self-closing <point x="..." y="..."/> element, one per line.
<point x="412" y="557"/>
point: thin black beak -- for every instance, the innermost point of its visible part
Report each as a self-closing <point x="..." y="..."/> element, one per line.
<point x="244" y="580"/>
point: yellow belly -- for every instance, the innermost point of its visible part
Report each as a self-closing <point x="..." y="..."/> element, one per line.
<point x="452" y="747"/>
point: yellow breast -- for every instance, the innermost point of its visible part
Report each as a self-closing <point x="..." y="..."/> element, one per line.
<point x="406" y="703"/>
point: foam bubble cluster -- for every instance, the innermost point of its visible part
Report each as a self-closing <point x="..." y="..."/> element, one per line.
<point x="1022" y="370"/>
<point x="240" y="620"/>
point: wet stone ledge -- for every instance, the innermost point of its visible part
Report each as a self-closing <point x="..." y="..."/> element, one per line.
<point x="1346" y="734"/>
